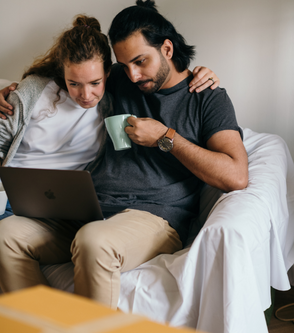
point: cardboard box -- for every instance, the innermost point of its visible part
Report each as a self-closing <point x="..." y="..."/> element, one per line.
<point x="45" y="310"/>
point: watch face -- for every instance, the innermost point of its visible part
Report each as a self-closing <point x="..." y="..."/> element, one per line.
<point x="165" y="144"/>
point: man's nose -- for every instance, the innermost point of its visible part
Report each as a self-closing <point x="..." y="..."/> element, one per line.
<point x="134" y="75"/>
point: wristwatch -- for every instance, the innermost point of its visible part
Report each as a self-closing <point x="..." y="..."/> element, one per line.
<point x="166" y="143"/>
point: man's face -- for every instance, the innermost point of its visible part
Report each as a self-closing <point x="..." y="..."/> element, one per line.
<point x="145" y="65"/>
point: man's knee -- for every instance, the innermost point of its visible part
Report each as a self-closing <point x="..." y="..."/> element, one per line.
<point x="92" y="238"/>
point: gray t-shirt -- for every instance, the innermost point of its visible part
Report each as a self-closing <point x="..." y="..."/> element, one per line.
<point x="146" y="178"/>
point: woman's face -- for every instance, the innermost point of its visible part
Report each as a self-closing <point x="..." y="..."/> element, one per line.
<point x="85" y="82"/>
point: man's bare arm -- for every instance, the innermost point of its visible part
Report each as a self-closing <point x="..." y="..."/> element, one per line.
<point x="223" y="165"/>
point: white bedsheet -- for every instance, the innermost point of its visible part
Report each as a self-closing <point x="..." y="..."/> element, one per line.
<point x="221" y="283"/>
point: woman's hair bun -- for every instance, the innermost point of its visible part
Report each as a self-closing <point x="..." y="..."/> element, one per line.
<point x="87" y="21"/>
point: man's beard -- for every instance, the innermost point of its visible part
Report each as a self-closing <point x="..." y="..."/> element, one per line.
<point x="159" y="79"/>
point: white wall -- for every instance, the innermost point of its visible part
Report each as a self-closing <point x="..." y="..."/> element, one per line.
<point x="249" y="44"/>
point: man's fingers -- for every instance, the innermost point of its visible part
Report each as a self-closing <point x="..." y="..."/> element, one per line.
<point x="4" y="106"/>
<point x="131" y="120"/>
<point x="13" y="86"/>
<point x="2" y="116"/>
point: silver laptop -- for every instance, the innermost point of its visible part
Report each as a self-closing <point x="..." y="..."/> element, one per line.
<point x="46" y="193"/>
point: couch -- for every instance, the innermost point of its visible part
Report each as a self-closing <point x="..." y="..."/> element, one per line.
<point x="239" y="248"/>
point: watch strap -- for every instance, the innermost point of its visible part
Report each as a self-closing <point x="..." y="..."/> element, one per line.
<point x="170" y="134"/>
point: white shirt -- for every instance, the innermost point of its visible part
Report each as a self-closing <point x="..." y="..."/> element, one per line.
<point x="65" y="137"/>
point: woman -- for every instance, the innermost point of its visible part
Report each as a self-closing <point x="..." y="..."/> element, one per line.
<point x="60" y="104"/>
<point x="58" y="96"/>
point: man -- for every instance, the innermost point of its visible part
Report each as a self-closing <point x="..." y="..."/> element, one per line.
<point x="148" y="193"/>
<point x="159" y="179"/>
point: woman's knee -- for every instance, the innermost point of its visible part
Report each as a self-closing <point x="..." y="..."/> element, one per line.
<point x="16" y="232"/>
<point x="10" y="231"/>
<point x="9" y="228"/>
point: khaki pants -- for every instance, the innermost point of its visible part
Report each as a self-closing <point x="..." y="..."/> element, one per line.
<point x="100" y="250"/>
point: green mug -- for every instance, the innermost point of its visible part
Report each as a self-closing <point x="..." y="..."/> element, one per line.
<point x="115" y="126"/>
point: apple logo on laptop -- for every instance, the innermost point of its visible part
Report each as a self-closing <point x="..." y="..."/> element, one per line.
<point x="50" y="195"/>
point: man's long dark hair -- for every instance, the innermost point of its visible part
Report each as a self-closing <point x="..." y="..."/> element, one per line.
<point x="144" y="18"/>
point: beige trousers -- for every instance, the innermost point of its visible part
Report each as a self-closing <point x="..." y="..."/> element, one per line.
<point x="100" y="250"/>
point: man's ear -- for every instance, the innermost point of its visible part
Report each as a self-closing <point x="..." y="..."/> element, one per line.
<point x="167" y="49"/>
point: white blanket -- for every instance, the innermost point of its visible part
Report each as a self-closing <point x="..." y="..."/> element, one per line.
<point x="221" y="283"/>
